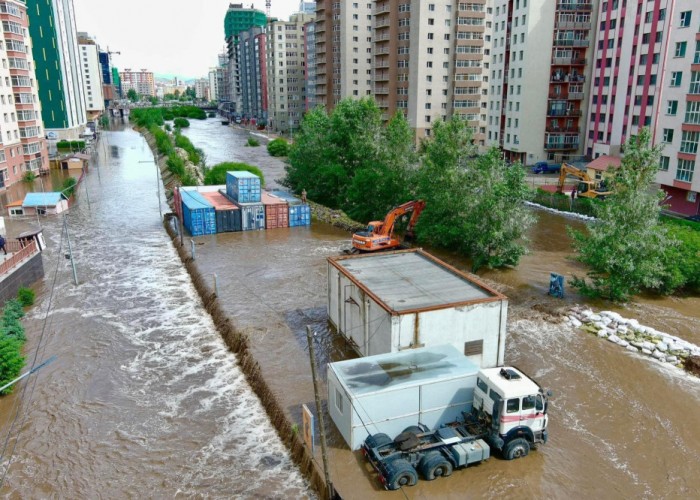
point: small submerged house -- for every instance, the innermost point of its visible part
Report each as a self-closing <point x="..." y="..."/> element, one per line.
<point x="50" y="203"/>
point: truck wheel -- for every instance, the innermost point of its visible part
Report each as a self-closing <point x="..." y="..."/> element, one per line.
<point x="517" y="448"/>
<point x="414" y="429"/>
<point x="377" y="440"/>
<point x="434" y="465"/>
<point x="400" y="473"/>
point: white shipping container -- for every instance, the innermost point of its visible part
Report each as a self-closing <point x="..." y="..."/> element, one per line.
<point x="392" y="301"/>
<point x="390" y="392"/>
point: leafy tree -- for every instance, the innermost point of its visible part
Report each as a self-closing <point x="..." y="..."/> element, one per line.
<point x="473" y="204"/>
<point x="278" y="147"/>
<point x="69" y="186"/>
<point x="132" y="95"/>
<point x="217" y="174"/>
<point x="11" y="360"/>
<point x="154" y="100"/>
<point x="628" y="248"/>
<point x="388" y="181"/>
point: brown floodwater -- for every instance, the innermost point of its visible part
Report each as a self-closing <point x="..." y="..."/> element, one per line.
<point x="145" y="400"/>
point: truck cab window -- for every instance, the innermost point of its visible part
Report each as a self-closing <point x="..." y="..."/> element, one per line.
<point x="494" y="396"/>
<point x="482" y="385"/>
<point x="529" y="402"/>
<point x="513" y="405"/>
<point x="540" y="403"/>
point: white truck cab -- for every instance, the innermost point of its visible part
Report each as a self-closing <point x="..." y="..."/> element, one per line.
<point x="515" y="409"/>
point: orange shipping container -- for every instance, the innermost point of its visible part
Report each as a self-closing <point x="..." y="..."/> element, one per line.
<point x="276" y="211"/>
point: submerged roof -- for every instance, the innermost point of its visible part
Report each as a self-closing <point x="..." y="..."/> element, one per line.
<point x="391" y="371"/>
<point x="49" y="199"/>
<point x="413" y="280"/>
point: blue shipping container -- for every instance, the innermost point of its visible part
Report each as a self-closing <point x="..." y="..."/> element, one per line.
<point x="243" y="187"/>
<point x="299" y="215"/>
<point x="198" y="214"/>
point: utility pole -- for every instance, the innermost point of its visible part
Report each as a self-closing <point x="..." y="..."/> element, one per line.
<point x="70" y="250"/>
<point x="330" y="491"/>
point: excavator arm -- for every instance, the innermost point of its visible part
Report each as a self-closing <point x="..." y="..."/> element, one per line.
<point x="380" y="236"/>
<point x="390" y="220"/>
<point x="567" y="169"/>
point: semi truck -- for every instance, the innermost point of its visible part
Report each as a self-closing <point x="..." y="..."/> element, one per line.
<point x="508" y="415"/>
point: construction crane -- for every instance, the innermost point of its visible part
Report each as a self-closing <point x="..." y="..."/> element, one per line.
<point x="380" y="234"/>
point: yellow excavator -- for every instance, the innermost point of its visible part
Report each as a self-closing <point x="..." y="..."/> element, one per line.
<point x="587" y="187"/>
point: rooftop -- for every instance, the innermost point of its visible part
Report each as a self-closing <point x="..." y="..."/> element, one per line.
<point x="49" y="199"/>
<point x="603" y="162"/>
<point x="397" y="370"/>
<point x="512" y="387"/>
<point x="413" y="280"/>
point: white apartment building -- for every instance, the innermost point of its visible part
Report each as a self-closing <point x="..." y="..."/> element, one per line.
<point x="201" y="88"/>
<point x="677" y="116"/>
<point x="286" y="72"/>
<point x="92" y="76"/>
<point x="343" y="50"/>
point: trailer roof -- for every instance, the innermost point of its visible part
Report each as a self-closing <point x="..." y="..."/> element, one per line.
<point x="413" y="281"/>
<point x="398" y="370"/>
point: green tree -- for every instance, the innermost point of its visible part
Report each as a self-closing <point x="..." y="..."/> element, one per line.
<point x="181" y="122"/>
<point x="217" y="174"/>
<point x="11" y="359"/>
<point x="278" y="147"/>
<point x="154" y="100"/>
<point x="132" y="95"/>
<point x="474" y="204"/>
<point x="628" y="248"/>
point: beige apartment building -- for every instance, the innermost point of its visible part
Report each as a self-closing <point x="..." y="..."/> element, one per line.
<point x="141" y="81"/>
<point x="286" y="72"/>
<point x="539" y="62"/>
<point x="343" y="50"/>
<point x="428" y="61"/>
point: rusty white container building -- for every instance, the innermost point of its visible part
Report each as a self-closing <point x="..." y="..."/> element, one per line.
<point x="393" y="301"/>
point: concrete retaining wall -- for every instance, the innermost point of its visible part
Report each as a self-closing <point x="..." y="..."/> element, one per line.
<point x="25" y="275"/>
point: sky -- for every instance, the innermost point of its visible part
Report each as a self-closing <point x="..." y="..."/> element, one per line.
<point x="176" y="37"/>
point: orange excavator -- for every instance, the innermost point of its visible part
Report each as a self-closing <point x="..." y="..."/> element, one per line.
<point x="380" y="234"/>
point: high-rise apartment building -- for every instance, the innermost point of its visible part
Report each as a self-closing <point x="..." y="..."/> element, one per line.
<point x="310" y="48"/>
<point x="22" y="143"/>
<point x="237" y="20"/>
<point x="201" y="88"/>
<point x="107" y="87"/>
<point x="252" y="65"/>
<point x="677" y="112"/>
<point x="140" y="81"/>
<point x="307" y="7"/>
<point x="344" y="32"/>
<point x="286" y="72"/>
<point x="92" y="76"/>
<point x="428" y="61"/>
<point x="58" y="71"/>
<point x="627" y="69"/>
<point x="540" y="51"/>
<point x="117" y="81"/>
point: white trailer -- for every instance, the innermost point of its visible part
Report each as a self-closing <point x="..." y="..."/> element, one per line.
<point x="392" y="301"/>
<point x="389" y="392"/>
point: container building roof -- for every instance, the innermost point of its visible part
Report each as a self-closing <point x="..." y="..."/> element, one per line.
<point x="218" y="200"/>
<point x="398" y="370"/>
<point x="239" y="174"/>
<point x="413" y="281"/>
<point x="49" y="199"/>
<point x="194" y="200"/>
<point x="268" y="199"/>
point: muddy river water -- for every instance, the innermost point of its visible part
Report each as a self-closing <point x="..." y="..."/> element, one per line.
<point x="145" y="400"/>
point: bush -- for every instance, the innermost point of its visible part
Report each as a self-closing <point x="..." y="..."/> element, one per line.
<point x="168" y="115"/>
<point x="217" y="174"/>
<point x="176" y="165"/>
<point x="146" y="117"/>
<point x="278" y="147"/>
<point x="11" y="360"/>
<point x="193" y="153"/>
<point x="252" y="142"/>
<point x="163" y="142"/>
<point x="181" y="123"/>
<point x="29" y="177"/>
<point x="63" y="145"/>
<point x="26" y="296"/>
<point x="167" y="127"/>
<point x="69" y="186"/>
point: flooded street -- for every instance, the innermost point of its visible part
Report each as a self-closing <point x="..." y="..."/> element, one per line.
<point x="144" y="399"/>
<point x="621" y="426"/>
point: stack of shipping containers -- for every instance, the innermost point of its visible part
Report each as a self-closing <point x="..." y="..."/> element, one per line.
<point x="240" y="205"/>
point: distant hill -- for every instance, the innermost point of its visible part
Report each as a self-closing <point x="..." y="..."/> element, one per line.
<point x="170" y="77"/>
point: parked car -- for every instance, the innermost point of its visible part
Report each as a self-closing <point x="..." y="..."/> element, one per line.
<point x="542" y="167"/>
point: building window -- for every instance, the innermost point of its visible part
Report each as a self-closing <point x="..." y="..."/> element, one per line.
<point x="680" y="49"/>
<point x="672" y="108"/>
<point x="676" y="78"/>
<point x="692" y="196"/>
<point x="689" y="142"/>
<point x="695" y="82"/>
<point x="685" y="18"/>
<point x="685" y="170"/>
<point x="692" y="113"/>
<point x="663" y="163"/>
<point x="668" y="135"/>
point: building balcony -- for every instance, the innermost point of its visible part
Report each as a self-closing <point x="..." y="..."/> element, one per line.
<point x="382" y="50"/>
<point x="380" y="90"/>
<point x="563" y="112"/>
<point x="556" y="145"/>
<point x="572" y="25"/>
<point x="568" y="61"/>
<point x="382" y="23"/>
<point x="380" y="65"/>
<point x="575" y="96"/>
<point x="381" y="9"/>
<point x="575" y="6"/>
<point x="559" y="77"/>
<point x="569" y="42"/>
<point x="562" y="130"/>
<point x="381" y="76"/>
<point x="384" y="37"/>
